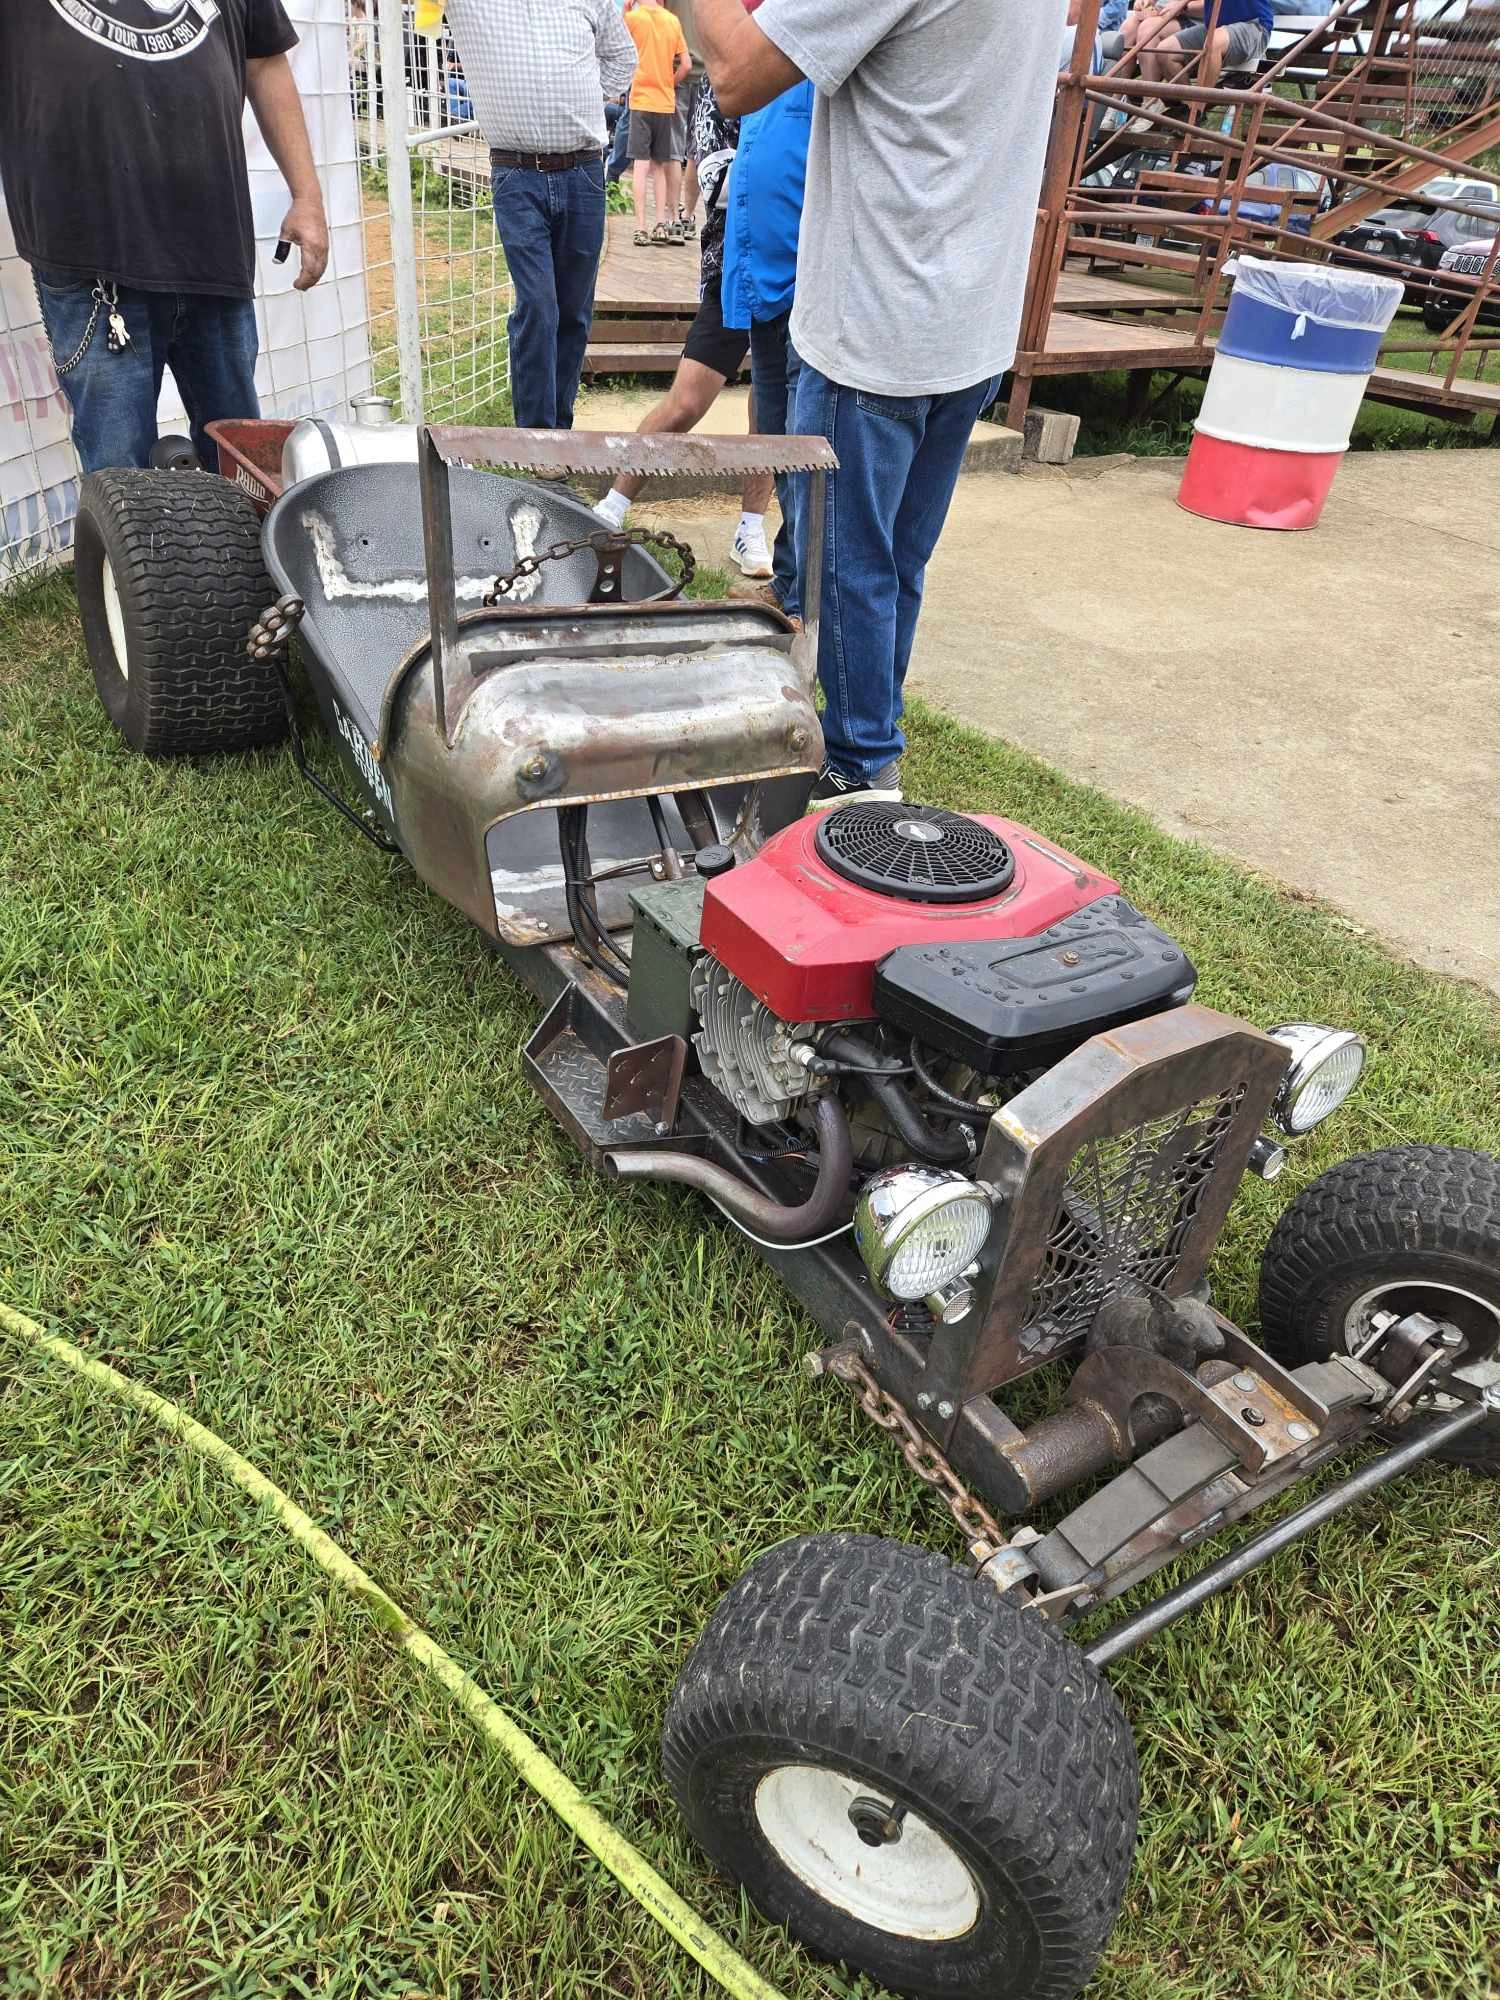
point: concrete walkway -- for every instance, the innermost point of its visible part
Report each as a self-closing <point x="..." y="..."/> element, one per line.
<point x="1326" y="706"/>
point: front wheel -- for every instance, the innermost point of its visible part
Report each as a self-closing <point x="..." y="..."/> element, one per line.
<point x="1409" y="1229"/>
<point x="914" y="1776"/>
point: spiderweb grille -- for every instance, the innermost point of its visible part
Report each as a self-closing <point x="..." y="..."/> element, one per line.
<point x="1127" y="1205"/>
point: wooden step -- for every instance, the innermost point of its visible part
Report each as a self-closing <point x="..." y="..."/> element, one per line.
<point x="642" y="357"/>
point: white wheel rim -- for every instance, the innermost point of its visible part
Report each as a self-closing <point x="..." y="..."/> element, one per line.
<point x="1357" y="1320"/>
<point x="914" y="1887"/>
<point x="114" y="617"/>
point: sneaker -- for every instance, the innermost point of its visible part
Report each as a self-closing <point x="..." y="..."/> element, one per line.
<point x="1150" y="111"/>
<point x="750" y="552"/>
<point x="833" y="787"/>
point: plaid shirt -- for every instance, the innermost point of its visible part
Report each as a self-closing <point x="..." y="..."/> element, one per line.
<point x="539" y="71"/>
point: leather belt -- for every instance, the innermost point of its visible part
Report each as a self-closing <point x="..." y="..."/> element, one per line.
<point x="544" y="163"/>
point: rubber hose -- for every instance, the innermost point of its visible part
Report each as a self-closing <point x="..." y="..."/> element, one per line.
<point x="824" y="1208"/>
<point x="946" y="1148"/>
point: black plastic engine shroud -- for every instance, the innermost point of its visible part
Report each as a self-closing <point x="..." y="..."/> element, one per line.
<point x="1003" y="1005"/>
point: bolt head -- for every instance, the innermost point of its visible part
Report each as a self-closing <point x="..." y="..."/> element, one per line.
<point x="535" y="768"/>
<point x="1253" y="1417"/>
<point x="945" y="1409"/>
<point x="1301" y="1432"/>
<point x="924" y="1399"/>
<point x="1243" y="1381"/>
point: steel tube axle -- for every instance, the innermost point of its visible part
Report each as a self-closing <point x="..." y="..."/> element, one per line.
<point x="1218" y="1576"/>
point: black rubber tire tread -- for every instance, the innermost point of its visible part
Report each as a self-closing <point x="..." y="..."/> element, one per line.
<point x="1433" y="1210"/>
<point x="185" y="549"/>
<point x="892" y="1665"/>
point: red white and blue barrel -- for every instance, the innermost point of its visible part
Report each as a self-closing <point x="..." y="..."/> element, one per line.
<point x="1282" y="395"/>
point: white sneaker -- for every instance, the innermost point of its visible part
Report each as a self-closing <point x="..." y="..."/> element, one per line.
<point x="750" y="552"/>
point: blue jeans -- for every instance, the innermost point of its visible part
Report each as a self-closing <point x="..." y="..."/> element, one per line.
<point x="774" y="368"/>
<point x="619" y="140"/>
<point x="899" y="461"/>
<point x="208" y="343"/>
<point x="552" y="230"/>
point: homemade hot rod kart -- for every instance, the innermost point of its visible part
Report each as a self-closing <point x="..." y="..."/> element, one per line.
<point x="948" y="1078"/>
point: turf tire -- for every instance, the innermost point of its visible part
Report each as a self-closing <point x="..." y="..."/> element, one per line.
<point x="184" y="552"/>
<point x="1403" y="1216"/>
<point x="889" y="1667"/>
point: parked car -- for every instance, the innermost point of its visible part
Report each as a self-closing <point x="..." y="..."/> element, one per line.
<point x="1276" y="178"/>
<point x="1445" y="302"/>
<point x="1419" y="239"/>
<point x="1458" y="188"/>
<point x="1118" y="184"/>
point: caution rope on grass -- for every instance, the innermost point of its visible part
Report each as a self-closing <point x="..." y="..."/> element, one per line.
<point x="625" y="1862"/>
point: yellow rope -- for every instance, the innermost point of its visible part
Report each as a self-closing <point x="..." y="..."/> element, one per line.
<point x="623" y="1861"/>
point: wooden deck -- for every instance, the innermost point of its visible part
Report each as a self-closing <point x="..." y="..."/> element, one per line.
<point x="1085" y="291"/>
<point x="1412" y="389"/>
<point x="646" y="297"/>
<point x="644" y="302"/>
<point x="641" y="279"/>
<point x="1078" y="344"/>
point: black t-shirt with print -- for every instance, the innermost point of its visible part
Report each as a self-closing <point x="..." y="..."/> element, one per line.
<point x="121" y="146"/>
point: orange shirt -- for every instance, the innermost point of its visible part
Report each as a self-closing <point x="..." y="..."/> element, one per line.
<point x="657" y="34"/>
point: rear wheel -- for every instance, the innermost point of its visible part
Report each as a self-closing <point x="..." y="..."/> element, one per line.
<point x="1435" y="319"/>
<point x="1410" y="1229"/>
<point x="170" y="580"/>
<point x="913" y="1775"/>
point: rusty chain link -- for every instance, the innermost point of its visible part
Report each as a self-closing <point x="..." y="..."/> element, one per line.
<point x="921" y="1454"/>
<point x="603" y="541"/>
<point x="271" y="633"/>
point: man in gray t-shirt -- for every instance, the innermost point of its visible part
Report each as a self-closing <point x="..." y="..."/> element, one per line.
<point x="922" y="181"/>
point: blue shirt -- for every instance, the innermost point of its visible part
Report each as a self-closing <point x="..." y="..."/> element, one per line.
<point x="765" y="209"/>
<point x="1228" y="12"/>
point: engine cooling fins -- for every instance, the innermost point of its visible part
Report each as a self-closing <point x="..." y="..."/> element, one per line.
<point x="918" y="854"/>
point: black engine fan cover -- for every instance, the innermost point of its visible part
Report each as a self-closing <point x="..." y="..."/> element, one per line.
<point x="1008" y="1004"/>
<point x="920" y="854"/>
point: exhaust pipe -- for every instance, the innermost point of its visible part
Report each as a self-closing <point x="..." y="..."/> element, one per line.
<point x="825" y="1208"/>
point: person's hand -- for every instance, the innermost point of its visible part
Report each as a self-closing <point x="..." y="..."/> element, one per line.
<point x="306" y="225"/>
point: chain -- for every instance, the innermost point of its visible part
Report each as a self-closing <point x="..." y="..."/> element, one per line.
<point x="921" y="1454"/>
<point x="604" y="541"/>
<point x="272" y="631"/>
<point x="103" y="296"/>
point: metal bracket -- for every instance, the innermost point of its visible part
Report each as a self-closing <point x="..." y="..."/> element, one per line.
<point x="646" y="1078"/>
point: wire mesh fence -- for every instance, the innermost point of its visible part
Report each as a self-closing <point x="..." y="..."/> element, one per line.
<point x="442" y="266"/>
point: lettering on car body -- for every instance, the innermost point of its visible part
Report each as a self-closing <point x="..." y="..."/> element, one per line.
<point x="364" y="758"/>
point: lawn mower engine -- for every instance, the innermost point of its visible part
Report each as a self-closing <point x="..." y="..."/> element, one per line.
<point x="924" y="965"/>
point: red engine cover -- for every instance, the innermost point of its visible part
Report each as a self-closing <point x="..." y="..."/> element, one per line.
<point x="807" y="942"/>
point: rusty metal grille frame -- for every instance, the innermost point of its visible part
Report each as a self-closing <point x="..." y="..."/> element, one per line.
<point x="1127" y="1205"/>
<point x="1165" y="1077"/>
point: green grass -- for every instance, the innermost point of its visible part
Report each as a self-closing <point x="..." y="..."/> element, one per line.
<point x="267" y="1146"/>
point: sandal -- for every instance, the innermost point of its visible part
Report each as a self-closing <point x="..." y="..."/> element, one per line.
<point x="663" y="234"/>
<point x="643" y="236"/>
<point x="688" y="227"/>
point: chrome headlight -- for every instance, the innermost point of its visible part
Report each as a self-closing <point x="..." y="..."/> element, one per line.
<point x="918" y="1227"/>
<point x="1325" y="1067"/>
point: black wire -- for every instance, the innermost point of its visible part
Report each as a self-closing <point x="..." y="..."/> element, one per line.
<point x="583" y="916"/>
<point x="828" y="1066"/>
<point x="583" y="910"/>
<point x="963" y="1107"/>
